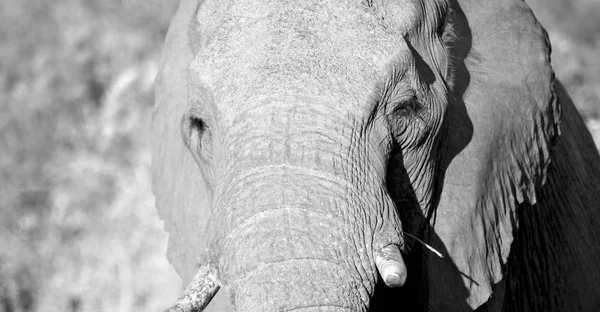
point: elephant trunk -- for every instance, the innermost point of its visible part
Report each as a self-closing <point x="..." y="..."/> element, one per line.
<point x="292" y="284"/>
<point x="301" y="207"/>
<point x="303" y="247"/>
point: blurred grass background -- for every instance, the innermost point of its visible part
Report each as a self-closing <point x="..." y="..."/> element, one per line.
<point x="78" y="230"/>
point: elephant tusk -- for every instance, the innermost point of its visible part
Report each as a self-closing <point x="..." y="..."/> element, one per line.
<point x="199" y="292"/>
<point x="391" y="266"/>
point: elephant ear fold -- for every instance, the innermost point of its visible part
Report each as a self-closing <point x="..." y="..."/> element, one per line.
<point x="182" y="196"/>
<point x="500" y="131"/>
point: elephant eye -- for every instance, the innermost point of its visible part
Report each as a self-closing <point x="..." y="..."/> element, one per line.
<point x="197" y="136"/>
<point x="198" y="124"/>
<point x="408" y="122"/>
<point x="407" y="108"/>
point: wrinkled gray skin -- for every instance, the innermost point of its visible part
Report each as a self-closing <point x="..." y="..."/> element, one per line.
<point x="296" y="139"/>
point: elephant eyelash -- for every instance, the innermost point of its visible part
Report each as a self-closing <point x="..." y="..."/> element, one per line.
<point x="409" y="108"/>
<point x="191" y="124"/>
<point x="198" y="124"/>
<point x="197" y="136"/>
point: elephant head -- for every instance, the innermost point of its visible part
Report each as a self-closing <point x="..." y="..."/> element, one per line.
<point x="300" y="146"/>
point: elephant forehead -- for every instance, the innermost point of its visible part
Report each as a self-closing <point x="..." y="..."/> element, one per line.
<point x="316" y="48"/>
<point x="233" y="20"/>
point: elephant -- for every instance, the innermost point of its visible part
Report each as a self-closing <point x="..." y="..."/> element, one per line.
<point x="372" y="155"/>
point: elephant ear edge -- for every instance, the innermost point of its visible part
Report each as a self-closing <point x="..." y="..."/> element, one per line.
<point x="181" y="195"/>
<point x="515" y="117"/>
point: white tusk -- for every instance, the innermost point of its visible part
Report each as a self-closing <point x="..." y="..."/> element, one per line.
<point x="198" y="293"/>
<point x="391" y="266"/>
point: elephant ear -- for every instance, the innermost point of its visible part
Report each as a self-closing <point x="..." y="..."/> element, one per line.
<point x="182" y="197"/>
<point x="500" y="130"/>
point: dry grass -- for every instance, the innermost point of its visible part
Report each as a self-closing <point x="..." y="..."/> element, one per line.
<point x="78" y="230"/>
